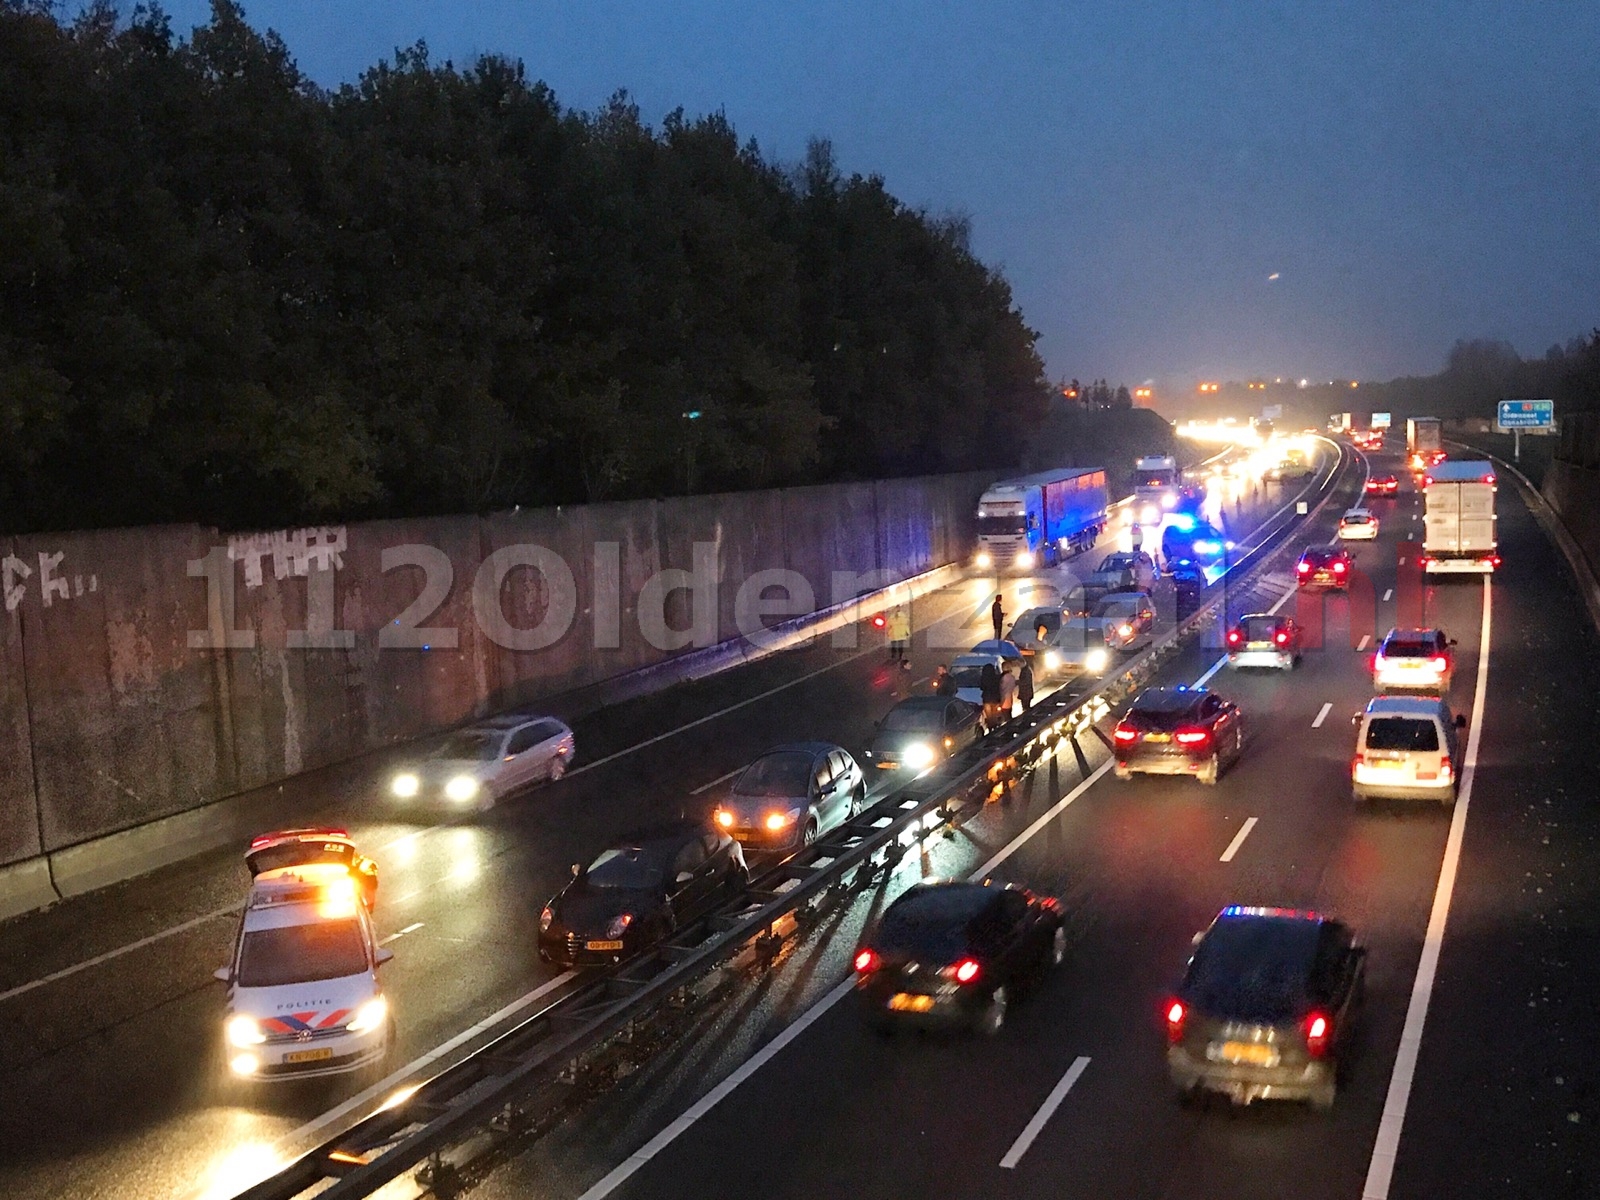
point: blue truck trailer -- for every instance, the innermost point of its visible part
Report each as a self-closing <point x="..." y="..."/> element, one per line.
<point x="1037" y="520"/>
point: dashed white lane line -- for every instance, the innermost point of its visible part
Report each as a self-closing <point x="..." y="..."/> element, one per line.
<point x="1362" y="644"/>
<point x="1238" y="840"/>
<point x="65" y="972"/>
<point x="1322" y="715"/>
<point x="1046" y="1110"/>
<point x="1387" y="592"/>
<point x="1380" y="1172"/>
<point x="400" y="933"/>
<point x="706" y="787"/>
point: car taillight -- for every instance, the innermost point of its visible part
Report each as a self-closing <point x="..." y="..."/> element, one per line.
<point x="1378" y="661"/>
<point x="1125" y="733"/>
<point x="1439" y="663"/>
<point x="1357" y="761"/>
<point x="867" y="961"/>
<point x="1176" y="1016"/>
<point x="1304" y="568"/>
<point x="878" y="622"/>
<point x="1319" y="1031"/>
<point x="1191" y="737"/>
<point x="1234" y="637"/>
<point x="967" y="970"/>
<point x="1282" y="638"/>
<point x="1338" y="568"/>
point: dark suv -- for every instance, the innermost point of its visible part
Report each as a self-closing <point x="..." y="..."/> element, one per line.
<point x="1320" y="567"/>
<point x="1178" y="731"/>
<point x="1265" y="1007"/>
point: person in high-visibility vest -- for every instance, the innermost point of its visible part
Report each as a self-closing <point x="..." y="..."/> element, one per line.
<point x="900" y="636"/>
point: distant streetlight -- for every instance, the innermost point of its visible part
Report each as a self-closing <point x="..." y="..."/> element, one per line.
<point x="688" y="451"/>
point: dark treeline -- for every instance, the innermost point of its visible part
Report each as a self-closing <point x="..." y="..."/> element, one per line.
<point x="229" y="296"/>
<point x="1479" y="372"/>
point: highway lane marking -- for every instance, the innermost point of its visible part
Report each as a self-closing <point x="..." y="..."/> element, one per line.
<point x="1238" y="840"/>
<point x="706" y="787"/>
<point x="400" y="933"/>
<point x="1046" y="1110"/>
<point x="1380" y="1171"/>
<point x="1362" y="644"/>
<point x="1387" y="592"/>
<point x="97" y="960"/>
<point x="1322" y="715"/>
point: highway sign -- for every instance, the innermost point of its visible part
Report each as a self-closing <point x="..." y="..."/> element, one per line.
<point x="1382" y="420"/>
<point x="1525" y="415"/>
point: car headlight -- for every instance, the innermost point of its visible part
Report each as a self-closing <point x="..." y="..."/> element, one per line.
<point x="546" y="918"/>
<point x="370" y="1015"/>
<point x="1025" y="559"/>
<point x="619" y="925"/>
<point x="918" y="755"/>
<point x="1052" y="660"/>
<point x="244" y="1064"/>
<point x="724" y="818"/>
<point x="1125" y="630"/>
<point x="243" y="1031"/>
<point x="1169" y="501"/>
<point x="984" y="559"/>
<point x="776" y="821"/>
<point x="1096" y="660"/>
<point x="461" y="788"/>
<point x="405" y="785"/>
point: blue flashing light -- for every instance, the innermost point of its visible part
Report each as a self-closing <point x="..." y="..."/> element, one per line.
<point x="1207" y="546"/>
<point x="1182" y="521"/>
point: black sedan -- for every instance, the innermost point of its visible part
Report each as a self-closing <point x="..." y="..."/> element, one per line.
<point x="922" y="731"/>
<point x="954" y="955"/>
<point x="1178" y="731"/>
<point x="1188" y="581"/>
<point x="1320" y="568"/>
<point x="1265" y="1007"/>
<point x="635" y="893"/>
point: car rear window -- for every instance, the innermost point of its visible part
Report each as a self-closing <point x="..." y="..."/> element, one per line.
<point x="1402" y="733"/>
<point x="301" y="954"/>
<point x="1165" y="710"/>
<point x="787" y="774"/>
<point x="626" y="868"/>
<point x="1320" y="558"/>
<point x="1260" y="629"/>
<point x="1117" y="607"/>
<point x="1028" y="624"/>
<point x="1356" y="519"/>
<point x="967" y="677"/>
<point x="933" y="924"/>
<point x="1406" y="648"/>
<point x="913" y="720"/>
<point x="297" y="854"/>
<point x="1252" y="969"/>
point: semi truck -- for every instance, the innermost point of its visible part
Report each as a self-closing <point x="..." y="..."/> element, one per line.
<point x="1157" y="487"/>
<point x="1459" y="531"/>
<point x="1424" y="442"/>
<point x="1037" y="520"/>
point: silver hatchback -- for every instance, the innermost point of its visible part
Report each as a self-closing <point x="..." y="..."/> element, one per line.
<point x="477" y="766"/>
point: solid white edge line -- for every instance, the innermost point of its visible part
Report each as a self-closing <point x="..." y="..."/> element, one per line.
<point x="1046" y="1110"/>
<point x="1238" y="840"/>
<point x="1322" y="715"/>
<point x="1386" y="1147"/>
<point x="706" y="787"/>
<point x="65" y="972"/>
<point x="624" y="1170"/>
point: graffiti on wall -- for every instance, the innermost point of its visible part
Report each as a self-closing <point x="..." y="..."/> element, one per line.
<point x="295" y="553"/>
<point x="17" y="575"/>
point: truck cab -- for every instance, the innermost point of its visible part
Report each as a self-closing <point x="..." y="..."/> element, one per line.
<point x="1157" y="484"/>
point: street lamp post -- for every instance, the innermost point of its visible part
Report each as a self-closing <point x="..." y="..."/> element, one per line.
<point x="691" y="416"/>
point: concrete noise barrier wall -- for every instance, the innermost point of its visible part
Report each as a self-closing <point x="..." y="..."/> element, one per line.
<point x="146" y="673"/>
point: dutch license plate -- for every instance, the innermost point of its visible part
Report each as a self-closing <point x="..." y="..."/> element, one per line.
<point x="602" y="945"/>
<point x="908" y="1002"/>
<point x="1158" y="737"/>
<point x="305" y="1056"/>
<point x="1256" y="1054"/>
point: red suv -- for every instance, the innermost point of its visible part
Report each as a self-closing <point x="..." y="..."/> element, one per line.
<point x="1320" y="567"/>
<point x="1383" y="485"/>
<point x="1178" y="731"/>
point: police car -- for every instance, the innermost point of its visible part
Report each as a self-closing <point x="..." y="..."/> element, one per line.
<point x="303" y="994"/>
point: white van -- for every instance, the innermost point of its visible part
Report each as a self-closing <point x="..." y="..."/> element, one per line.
<point x="303" y="994"/>
<point x="1406" y="749"/>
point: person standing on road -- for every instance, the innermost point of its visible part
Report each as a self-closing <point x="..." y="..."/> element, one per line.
<point x="1025" y="686"/>
<point x="989" y="694"/>
<point x="944" y="683"/>
<point x="1008" y="694"/>
<point x="900" y="636"/>
<point x="997" y="613"/>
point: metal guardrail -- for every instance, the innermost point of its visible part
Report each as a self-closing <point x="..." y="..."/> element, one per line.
<point x="491" y="1087"/>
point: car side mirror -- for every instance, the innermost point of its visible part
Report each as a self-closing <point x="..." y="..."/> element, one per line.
<point x="1451" y="641"/>
<point x="1461" y="720"/>
<point x="1355" y="718"/>
<point x="685" y="876"/>
<point x="577" y="870"/>
<point x="223" y="974"/>
<point x="383" y="955"/>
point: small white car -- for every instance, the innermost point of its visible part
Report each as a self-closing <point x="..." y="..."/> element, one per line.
<point x="966" y="670"/>
<point x="303" y="994"/>
<point x="1358" y="525"/>
<point x="1406" y="749"/>
<point x="1414" y="659"/>
<point x="477" y="766"/>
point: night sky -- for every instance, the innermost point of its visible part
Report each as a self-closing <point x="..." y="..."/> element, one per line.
<point x="1412" y="171"/>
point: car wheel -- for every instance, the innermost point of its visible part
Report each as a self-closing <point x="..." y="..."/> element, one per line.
<point x="1323" y="1097"/>
<point x="558" y="768"/>
<point x="858" y="801"/>
<point x="1122" y="773"/>
<point x="1448" y="799"/>
<point x="1210" y="773"/>
<point x="993" y="1017"/>
<point x="810" y="833"/>
<point x="1058" y="946"/>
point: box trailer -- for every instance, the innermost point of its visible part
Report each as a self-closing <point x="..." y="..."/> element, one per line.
<point x="1459" y="527"/>
<point x="1037" y="520"/>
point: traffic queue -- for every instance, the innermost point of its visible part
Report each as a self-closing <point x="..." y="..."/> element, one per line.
<point x="304" y="997"/>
